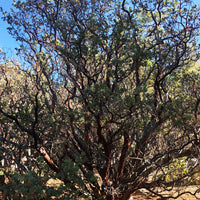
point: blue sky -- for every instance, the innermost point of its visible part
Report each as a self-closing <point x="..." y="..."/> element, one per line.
<point x="7" y="43"/>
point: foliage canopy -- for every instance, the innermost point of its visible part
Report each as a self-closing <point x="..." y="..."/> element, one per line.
<point x="108" y="96"/>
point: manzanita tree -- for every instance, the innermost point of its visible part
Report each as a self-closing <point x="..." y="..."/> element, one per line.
<point x="106" y="96"/>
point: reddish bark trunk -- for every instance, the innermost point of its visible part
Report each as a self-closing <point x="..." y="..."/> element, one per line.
<point x="123" y="155"/>
<point x="48" y="160"/>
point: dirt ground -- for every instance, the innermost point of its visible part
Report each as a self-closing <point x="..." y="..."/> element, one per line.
<point x="143" y="195"/>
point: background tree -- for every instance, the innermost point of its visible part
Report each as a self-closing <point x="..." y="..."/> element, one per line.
<point x="108" y="92"/>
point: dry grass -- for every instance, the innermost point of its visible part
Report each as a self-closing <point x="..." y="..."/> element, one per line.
<point x="54" y="182"/>
<point x="189" y="190"/>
